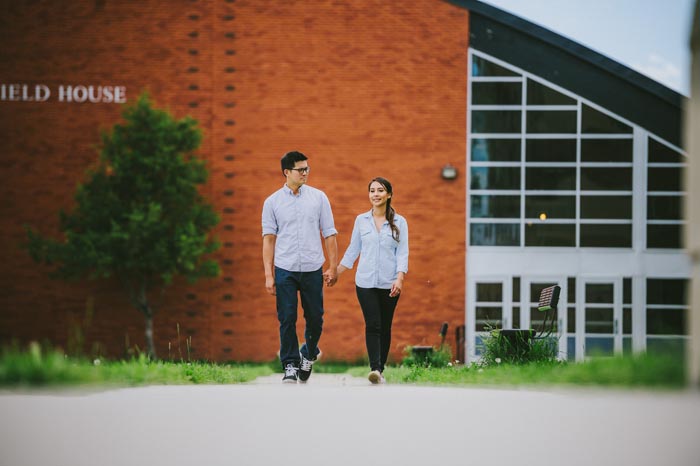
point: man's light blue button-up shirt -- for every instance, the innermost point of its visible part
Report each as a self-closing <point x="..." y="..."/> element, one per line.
<point x="381" y="257"/>
<point x="296" y="220"/>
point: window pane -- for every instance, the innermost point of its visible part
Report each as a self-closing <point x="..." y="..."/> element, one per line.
<point x="600" y="293"/>
<point x="606" y="207"/>
<point x="660" y="153"/>
<point x="482" y="67"/>
<point x="516" y="289"/>
<point x="495" y="178"/>
<point x="606" y="150"/>
<point x="664" y="208"/>
<point x="551" y="206"/>
<point x="571" y="289"/>
<point x="551" y="121"/>
<point x="666" y="322"/>
<point x="516" y="317"/>
<point x="593" y="121"/>
<point x="496" y="121"/>
<point x="671" y="347"/>
<point x="606" y="236"/>
<point x="626" y="321"/>
<point x="600" y="346"/>
<point x="487" y="317"/>
<point x="571" y="320"/>
<point x="550" y="234"/>
<point x="539" y="94"/>
<point x="664" y="178"/>
<point x="495" y="150"/>
<point x="560" y="178"/>
<point x="491" y="292"/>
<point x="606" y="179"/>
<point x="550" y="150"/>
<point x="664" y="236"/>
<point x="599" y="320"/>
<point x="667" y="291"/>
<point x="495" y="206"/>
<point x="494" y="234"/>
<point x="490" y="93"/>
<point x="626" y="291"/>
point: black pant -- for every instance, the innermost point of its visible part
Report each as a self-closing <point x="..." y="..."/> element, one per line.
<point x="378" y="310"/>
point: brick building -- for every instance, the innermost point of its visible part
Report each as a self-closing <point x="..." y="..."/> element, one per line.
<point x="364" y="88"/>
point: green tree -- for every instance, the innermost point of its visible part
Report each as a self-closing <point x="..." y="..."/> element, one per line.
<point x="139" y="216"/>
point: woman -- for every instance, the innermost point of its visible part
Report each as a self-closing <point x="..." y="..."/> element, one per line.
<point x="380" y="238"/>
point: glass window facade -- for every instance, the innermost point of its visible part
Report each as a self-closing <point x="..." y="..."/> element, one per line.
<point x="665" y="195"/>
<point x="560" y="170"/>
<point x="559" y="174"/>
<point x="666" y="315"/>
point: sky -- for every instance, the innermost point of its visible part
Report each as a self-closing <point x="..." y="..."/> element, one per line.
<point x="649" y="36"/>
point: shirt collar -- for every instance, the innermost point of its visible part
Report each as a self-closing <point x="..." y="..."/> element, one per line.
<point x="288" y="190"/>
<point x="368" y="215"/>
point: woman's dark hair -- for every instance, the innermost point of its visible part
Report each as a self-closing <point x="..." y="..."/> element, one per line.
<point x="290" y="159"/>
<point x="390" y="212"/>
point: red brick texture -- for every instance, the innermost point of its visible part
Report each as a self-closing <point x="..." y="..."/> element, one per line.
<point x="364" y="88"/>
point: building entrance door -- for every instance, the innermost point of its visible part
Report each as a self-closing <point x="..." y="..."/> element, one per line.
<point x="599" y="303"/>
<point x="488" y="308"/>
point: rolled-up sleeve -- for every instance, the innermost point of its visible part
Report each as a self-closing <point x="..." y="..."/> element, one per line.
<point x="269" y="222"/>
<point x="402" y="250"/>
<point x="353" y="250"/>
<point x="326" y="219"/>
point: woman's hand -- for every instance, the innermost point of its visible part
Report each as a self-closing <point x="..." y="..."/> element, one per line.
<point x="396" y="287"/>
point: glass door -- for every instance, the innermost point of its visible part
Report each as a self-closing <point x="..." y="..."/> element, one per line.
<point x="599" y="331"/>
<point x="489" y="308"/>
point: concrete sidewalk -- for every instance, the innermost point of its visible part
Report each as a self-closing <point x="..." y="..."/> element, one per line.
<point x="341" y="420"/>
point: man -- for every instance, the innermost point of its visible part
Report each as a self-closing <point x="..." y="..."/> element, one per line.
<point x="292" y="218"/>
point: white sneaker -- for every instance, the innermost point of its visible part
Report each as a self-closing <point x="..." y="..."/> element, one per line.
<point x="290" y="374"/>
<point x="307" y="365"/>
<point x="375" y="377"/>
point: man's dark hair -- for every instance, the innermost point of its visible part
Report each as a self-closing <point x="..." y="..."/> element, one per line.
<point x="290" y="159"/>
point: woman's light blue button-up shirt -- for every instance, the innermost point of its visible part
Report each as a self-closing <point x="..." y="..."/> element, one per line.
<point x="381" y="257"/>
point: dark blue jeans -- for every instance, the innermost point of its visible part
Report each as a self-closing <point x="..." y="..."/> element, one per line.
<point x="289" y="285"/>
<point x="378" y="309"/>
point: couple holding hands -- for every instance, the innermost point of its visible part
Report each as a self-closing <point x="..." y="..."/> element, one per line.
<point x="292" y="219"/>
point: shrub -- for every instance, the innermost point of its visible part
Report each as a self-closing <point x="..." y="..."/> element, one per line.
<point x="441" y="357"/>
<point x="496" y="349"/>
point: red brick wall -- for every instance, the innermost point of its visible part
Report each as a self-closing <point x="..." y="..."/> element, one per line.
<point x="364" y="88"/>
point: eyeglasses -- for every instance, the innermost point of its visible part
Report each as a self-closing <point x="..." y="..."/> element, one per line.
<point x="302" y="170"/>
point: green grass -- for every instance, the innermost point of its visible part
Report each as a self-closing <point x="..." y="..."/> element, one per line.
<point x="37" y="367"/>
<point x="623" y="372"/>
<point x="50" y="368"/>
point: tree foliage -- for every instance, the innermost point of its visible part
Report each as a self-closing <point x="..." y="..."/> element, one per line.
<point x="139" y="215"/>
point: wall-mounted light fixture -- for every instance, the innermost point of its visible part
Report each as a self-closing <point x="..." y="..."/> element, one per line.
<point x="449" y="172"/>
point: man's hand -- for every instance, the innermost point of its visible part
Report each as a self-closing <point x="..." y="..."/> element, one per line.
<point x="270" y="285"/>
<point x="268" y="253"/>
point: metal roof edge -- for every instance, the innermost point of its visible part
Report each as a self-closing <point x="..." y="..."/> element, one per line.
<point x="574" y="48"/>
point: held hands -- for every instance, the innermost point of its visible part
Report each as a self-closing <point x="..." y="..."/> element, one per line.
<point x="330" y="276"/>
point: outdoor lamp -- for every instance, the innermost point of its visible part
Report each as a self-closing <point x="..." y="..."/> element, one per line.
<point x="449" y="172"/>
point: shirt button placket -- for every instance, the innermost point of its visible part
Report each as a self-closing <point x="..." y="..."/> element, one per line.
<point x="297" y="208"/>
<point x="376" y="264"/>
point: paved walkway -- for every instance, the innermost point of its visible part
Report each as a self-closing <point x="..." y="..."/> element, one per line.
<point x="341" y="420"/>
